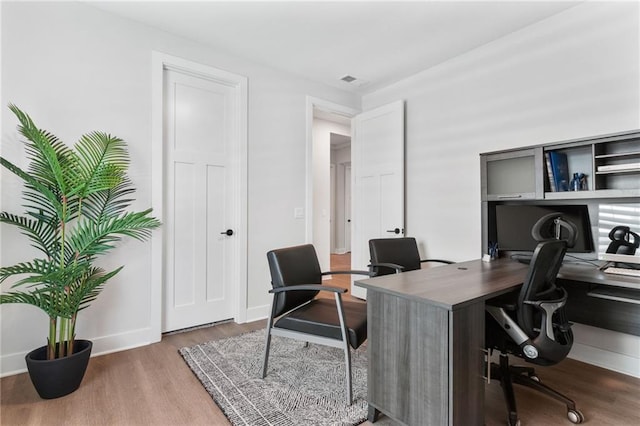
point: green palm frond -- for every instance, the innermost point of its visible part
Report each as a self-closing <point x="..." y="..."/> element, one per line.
<point x="111" y="202"/>
<point x="90" y="286"/>
<point x="40" y="168"/>
<point x="92" y="238"/>
<point x="44" y="192"/>
<point x="36" y="271"/>
<point x="41" y="230"/>
<point x="41" y="150"/>
<point x="102" y="161"/>
<point x="38" y="299"/>
<point x="39" y="206"/>
<point x="44" y="272"/>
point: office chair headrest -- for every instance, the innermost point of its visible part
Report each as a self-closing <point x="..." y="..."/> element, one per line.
<point x="549" y="227"/>
<point x="624" y="233"/>
<point x="623" y="241"/>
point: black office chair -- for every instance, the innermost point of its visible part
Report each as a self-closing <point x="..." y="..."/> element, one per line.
<point x="531" y="324"/>
<point x="395" y="255"/>
<point x="296" y="313"/>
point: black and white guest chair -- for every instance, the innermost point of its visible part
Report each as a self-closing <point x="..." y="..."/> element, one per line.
<point x="296" y="312"/>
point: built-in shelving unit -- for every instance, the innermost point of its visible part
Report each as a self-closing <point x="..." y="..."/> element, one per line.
<point x="610" y="163"/>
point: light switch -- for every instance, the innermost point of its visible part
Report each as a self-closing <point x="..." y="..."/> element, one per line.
<point x="298" y="213"/>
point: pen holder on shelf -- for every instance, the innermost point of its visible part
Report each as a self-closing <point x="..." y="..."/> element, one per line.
<point x="579" y="182"/>
<point x="493" y="251"/>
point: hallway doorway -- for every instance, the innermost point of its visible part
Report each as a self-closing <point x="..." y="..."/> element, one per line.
<point x="328" y="161"/>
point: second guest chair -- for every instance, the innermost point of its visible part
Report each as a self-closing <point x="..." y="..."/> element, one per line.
<point x="395" y="255"/>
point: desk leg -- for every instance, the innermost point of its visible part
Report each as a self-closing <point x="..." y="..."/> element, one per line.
<point x="373" y="414"/>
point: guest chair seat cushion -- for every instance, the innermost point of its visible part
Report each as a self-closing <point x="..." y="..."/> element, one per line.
<point x="319" y="317"/>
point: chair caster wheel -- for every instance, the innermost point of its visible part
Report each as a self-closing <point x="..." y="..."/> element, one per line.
<point x="513" y="421"/>
<point x="575" y="416"/>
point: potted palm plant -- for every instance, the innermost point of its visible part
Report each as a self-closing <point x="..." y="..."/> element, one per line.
<point x="75" y="202"/>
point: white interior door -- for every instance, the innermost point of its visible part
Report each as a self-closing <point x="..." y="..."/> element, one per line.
<point x="199" y="253"/>
<point x="378" y="182"/>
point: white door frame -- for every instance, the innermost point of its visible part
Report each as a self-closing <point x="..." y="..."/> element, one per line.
<point x="160" y="62"/>
<point x="347" y="204"/>
<point x="333" y="108"/>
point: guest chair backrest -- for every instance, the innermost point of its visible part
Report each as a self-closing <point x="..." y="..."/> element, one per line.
<point x="293" y="266"/>
<point x="394" y="255"/>
<point x="400" y="251"/>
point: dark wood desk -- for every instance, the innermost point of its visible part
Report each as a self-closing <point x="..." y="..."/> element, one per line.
<point x="426" y="340"/>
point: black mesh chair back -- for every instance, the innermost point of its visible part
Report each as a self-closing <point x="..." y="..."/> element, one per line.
<point x="553" y="344"/>
<point x="532" y="324"/>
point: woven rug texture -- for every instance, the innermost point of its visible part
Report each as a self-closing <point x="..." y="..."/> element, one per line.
<point x="304" y="385"/>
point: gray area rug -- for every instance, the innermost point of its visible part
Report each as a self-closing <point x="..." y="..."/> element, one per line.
<point x="304" y="385"/>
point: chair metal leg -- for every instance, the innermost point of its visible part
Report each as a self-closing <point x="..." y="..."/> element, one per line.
<point x="268" y="341"/>
<point x="347" y="351"/>
<point x="266" y="354"/>
<point x="347" y="359"/>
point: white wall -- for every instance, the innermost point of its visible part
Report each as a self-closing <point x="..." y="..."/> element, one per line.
<point x="574" y="74"/>
<point x="322" y="130"/>
<point x="76" y="69"/>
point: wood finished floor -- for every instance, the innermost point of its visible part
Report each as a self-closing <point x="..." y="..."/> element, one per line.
<point x="152" y="385"/>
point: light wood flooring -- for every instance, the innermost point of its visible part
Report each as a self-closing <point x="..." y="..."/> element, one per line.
<point x="152" y="385"/>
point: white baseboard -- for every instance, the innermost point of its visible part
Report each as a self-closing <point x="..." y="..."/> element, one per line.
<point x="14" y="363"/>
<point x="607" y="349"/>
<point x="610" y="360"/>
<point x="340" y="251"/>
<point x="257" y="313"/>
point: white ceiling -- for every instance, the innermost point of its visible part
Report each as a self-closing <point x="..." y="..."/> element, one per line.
<point x="377" y="42"/>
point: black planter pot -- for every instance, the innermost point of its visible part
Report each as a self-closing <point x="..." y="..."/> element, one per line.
<point x="58" y="377"/>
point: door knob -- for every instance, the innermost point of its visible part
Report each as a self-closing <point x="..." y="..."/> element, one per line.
<point x="228" y="232"/>
<point x="395" y="230"/>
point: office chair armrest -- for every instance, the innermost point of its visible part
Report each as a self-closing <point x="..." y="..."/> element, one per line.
<point x="398" y="268"/>
<point x="507" y="301"/>
<point x="448" y="262"/>
<point x="548" y="308"/>
<point x="347" y="273"/>
<point x="308" y="287"/>
<point x="512" y="307"/>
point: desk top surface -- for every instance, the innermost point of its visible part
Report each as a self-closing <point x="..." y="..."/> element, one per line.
<point x="452" y="286"/>
<point x="457" y="285"/>
<point x="591" y="274"/>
